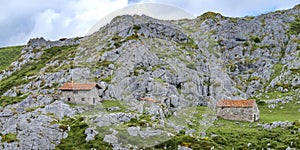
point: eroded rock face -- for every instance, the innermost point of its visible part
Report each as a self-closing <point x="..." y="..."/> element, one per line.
<point x="113" y="139"/>
<point x="276" y="124"/>
<point x="38" y="43"/>
<point x="35" y="129"/>
<point x="111" y="119"/>
<point x="252" y="48"/>
<point x="135" y="131"/>
<point x="90" y="134"/>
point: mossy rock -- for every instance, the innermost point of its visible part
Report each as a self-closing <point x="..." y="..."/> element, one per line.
<point x="10" y="137"/>
<point x="295" y="27"/>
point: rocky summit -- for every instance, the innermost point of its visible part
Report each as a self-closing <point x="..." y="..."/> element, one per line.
<point x="159" y="82"/>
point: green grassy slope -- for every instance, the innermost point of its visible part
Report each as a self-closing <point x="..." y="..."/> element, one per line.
<point x="224" y="134"/>
<point x="33" y="68"/>
<point x="8" y="55"/>
<point x="282" y="112"/>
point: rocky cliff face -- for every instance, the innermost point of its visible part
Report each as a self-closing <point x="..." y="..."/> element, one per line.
<point x="182" y="63"/>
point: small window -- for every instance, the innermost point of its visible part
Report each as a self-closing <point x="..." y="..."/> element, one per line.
<point x="82" y="99"/>
<point x="75" y="92"/>
<point x="69" y="99"/>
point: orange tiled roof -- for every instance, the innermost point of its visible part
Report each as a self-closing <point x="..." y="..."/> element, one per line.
<point x="78" y="86"/>
<point x="150" y="100"/>
<point x="235" y="103"/>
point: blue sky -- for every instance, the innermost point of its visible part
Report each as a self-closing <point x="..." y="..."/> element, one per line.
<point x="21" y="20"/>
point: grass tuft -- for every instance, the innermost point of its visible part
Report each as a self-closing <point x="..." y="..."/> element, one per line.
<point x="8" y="55"/>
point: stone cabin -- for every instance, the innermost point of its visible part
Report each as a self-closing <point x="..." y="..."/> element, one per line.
<point x="80" y="93"/>
<point x="241" y="110"/>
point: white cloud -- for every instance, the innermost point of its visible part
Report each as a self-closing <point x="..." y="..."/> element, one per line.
<point x="44" y="23"/>
<point x="97" y="10"/>
<point x="18" y="39"/>
<point x="236" y="8"/>
<point x="22" y="20"/>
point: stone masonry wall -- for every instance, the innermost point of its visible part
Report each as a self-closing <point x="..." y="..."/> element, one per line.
<point x="235" y="113"/>
<point x="82" y="97"/>
<point x="256" y="112"/>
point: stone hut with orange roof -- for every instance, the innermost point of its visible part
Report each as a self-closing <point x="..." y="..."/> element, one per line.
<point x="241" y="110"/>
<point x="80" y="93"/>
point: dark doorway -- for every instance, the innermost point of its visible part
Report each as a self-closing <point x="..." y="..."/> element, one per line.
<point x="69" y="99"/>
<point x="94" y="100"/>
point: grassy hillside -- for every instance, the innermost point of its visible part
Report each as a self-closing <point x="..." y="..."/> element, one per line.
<point x="8" y="55"/>
<point x="224" y="134"/>
<point x="282" y="112"/>
<point x="32" y="69"/>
